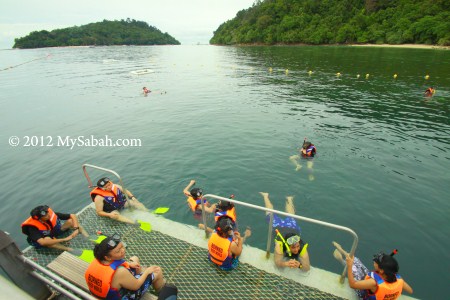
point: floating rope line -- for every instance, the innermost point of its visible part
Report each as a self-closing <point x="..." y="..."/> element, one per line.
<point x="27" y="62"/>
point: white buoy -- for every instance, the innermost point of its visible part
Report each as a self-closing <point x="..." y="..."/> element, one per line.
<point x="310" y="72"/>
<point x="357" y="76"/>
<point x="395" y="76"/>
<point x="338" y="74"/>
<point x="427" y="77"/>
<point x="367" y="76"/>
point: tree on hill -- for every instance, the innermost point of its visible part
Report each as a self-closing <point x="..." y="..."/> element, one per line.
<point x="105" y="33"/>
<point x="338" y="22"/>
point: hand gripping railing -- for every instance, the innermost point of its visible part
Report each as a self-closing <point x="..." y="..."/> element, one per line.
<point x="272" y="211"/>
<point x="105" y="170"/>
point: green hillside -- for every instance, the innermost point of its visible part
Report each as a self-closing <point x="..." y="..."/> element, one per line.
<point x="338" y="22"/>
<point x="124" y="32"/>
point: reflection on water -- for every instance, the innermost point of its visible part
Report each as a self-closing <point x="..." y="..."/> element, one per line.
<point x="231" y="124"/>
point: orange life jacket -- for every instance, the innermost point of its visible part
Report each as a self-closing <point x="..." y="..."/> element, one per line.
<point x="45" y="228"/>
<point x="231" y="213"/>
<point x="114" y="198"/>
<point x="195" y="204"/>
<point x="385" y="290"/>
<point x="219" y="250"/>
<point x="99" y="277"/>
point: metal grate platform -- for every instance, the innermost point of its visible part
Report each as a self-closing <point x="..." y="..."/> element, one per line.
<point x="187" y="266"/>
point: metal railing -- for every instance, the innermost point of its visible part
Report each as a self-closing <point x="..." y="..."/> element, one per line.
<point x="271" y="212"/>
<point x="91" y="185"/>
<point x="58" y="279"/>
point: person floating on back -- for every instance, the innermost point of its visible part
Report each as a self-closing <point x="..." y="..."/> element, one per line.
<point x="195" y="198"/>
<point x="109" y="199"/>
<point x="308" y="151"/>
<point x="429" y="92"/>
<point x="290" y="249"/>
<point x="225" y="246"/>
<point x="44" y="227"/>
<point x="382" y="283"/>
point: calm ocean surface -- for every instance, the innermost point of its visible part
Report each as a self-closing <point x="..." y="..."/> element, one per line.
<point x="383" y="159"/>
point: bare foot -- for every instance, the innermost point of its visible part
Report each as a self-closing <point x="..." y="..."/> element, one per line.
<point x="289" y="207"/>
<point x="339" y="256"/>
<point x="340" y="249"/>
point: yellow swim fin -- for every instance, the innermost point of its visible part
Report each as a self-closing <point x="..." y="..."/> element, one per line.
<point x="144" y="225"/>
<point x="97" y="238"/>
<point x="161" y="210"/>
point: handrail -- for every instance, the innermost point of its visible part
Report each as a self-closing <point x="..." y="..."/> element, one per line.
<point x="57" y="278"/>
<point x="273" y="211"/>
<point x="105" y="170"/>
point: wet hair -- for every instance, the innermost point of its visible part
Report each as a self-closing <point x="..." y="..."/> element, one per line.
<point x="102" y="249"/>
<point x="390" y="267"/>
<point x="306" y="145"/>
<point x="225" y="205"/>
<point x="102" y="182"/>
<point x="223" y="226"/>
<point x="196" y="193"/>
<point x="39" y="211"/>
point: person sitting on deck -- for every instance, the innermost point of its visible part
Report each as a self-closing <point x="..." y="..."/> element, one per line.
<point x="109" y="198"/>
<point x="383" y="283"/>
<point x="290" y="249"/>
<point x="109" y="276"/>
<point x="223" y="248"/>
<point x="194" y="200"/>
<point x="44" y="226"/>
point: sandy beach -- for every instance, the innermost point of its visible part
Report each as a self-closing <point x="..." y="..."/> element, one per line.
<point x="412" y="46"/>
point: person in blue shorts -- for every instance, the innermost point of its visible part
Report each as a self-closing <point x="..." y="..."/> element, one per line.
<point x="290" y="249"/>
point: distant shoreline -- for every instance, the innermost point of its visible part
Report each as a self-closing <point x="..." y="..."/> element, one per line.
<point x="406" y="46"/>
<point x="410" y="46"/>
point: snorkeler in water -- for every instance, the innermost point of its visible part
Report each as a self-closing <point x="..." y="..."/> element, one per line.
<point x="429" y="92"/>
<point x="308" y="151"/>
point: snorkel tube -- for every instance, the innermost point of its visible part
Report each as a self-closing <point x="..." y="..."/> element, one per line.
<point x="287" y="245"/>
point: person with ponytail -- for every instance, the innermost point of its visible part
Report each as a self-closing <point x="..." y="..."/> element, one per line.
<point x="382" y="283"/>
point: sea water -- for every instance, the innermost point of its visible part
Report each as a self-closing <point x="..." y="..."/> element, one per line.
<point x="230" y="118"/>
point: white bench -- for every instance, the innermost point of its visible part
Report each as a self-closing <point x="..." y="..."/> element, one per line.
<point x="73" y="268"/>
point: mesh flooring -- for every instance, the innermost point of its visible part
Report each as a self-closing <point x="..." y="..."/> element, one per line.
<point x="187" y="266"/>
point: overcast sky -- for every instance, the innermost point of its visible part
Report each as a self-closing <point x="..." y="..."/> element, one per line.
<point x="189" y="21"/>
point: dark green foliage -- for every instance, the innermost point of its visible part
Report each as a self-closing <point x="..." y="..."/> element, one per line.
<point x="124" y="32"/>
<point x="339" y="21"/>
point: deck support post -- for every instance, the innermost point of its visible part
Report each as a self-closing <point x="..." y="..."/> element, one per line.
<point x="18" y="271"/>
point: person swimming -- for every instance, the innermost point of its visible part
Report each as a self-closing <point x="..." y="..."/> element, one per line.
<point x="146" y="90"/>
<point x="429" y="92"/>
<point x="308" y="151"/>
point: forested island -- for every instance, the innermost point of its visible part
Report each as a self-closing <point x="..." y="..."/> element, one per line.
<point x="319" y="22"/>
<point x="105" y="33"/>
